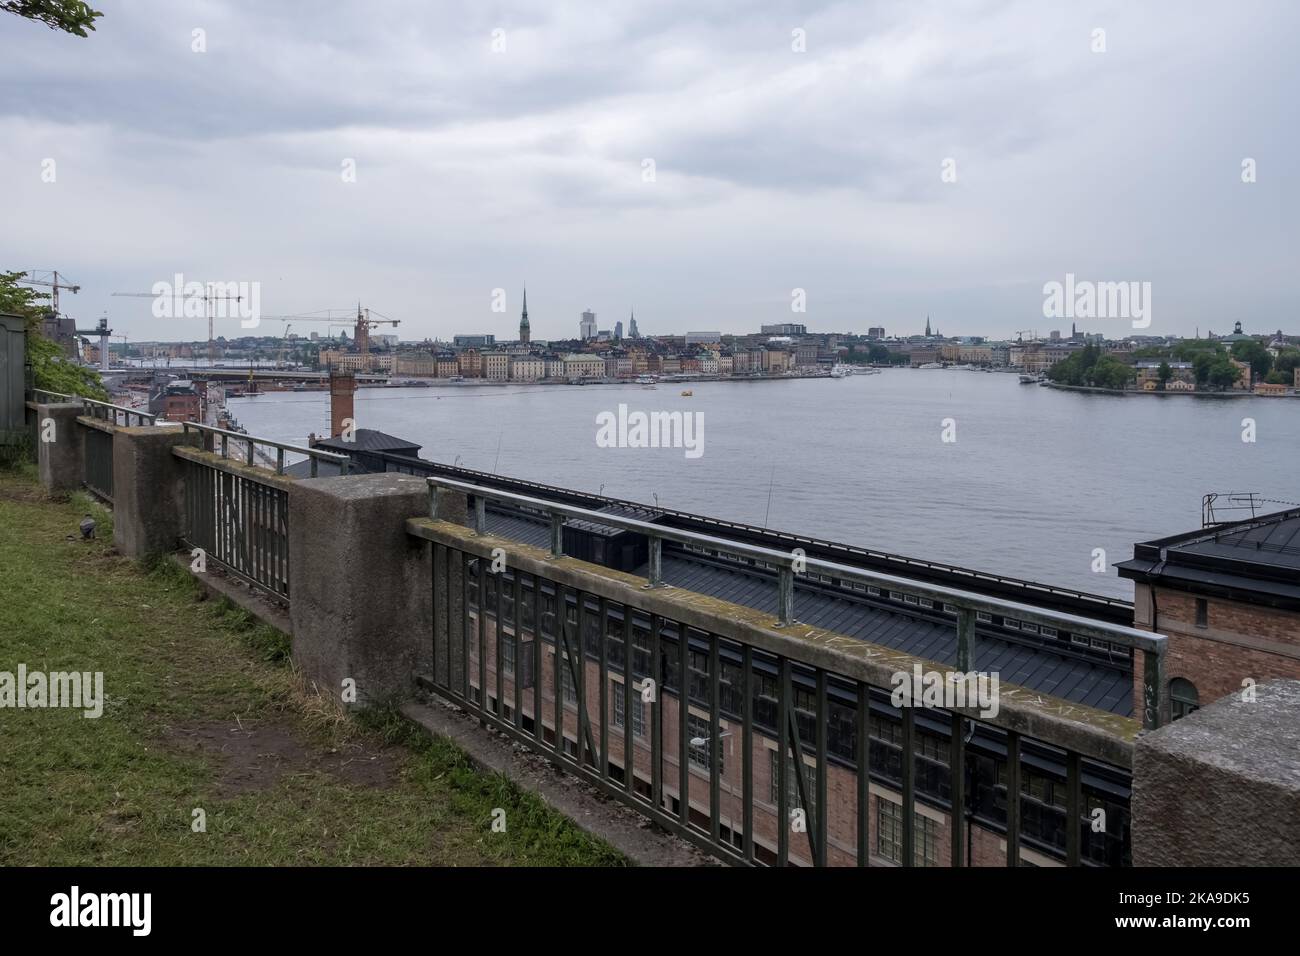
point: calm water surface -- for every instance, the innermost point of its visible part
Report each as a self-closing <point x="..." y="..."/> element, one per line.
<point x="1036" y="479"/>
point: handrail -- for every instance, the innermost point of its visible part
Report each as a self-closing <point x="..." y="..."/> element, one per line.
<point x="788" y="564"/>
<point x="91" y="404"/>
<point x="316" y="456"/>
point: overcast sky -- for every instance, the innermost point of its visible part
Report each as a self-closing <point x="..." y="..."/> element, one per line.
<point x="774" y="170"/>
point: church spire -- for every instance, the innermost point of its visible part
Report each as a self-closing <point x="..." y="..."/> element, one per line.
<point x="524" y="330"/>
<point x="927" y="326"/>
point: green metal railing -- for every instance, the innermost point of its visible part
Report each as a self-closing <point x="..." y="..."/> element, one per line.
<point x="98" y="463"/>
<point x="212" y="438"/>
<point x="105" y="411"/>
<point x="240" y="523"/>
<point x="563" y="669"/>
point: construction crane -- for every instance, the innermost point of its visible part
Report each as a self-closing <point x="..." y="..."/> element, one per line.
<point x="1020" y="335"/>
<point x="206" y="297"/>
<point x="50" y="280"/>
<point x="364" y="323"/>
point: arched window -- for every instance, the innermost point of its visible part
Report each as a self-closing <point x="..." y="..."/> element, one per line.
<point x="1183" y="698"/>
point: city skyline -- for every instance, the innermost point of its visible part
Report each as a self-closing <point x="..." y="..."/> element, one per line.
<point x="698" y="166"/>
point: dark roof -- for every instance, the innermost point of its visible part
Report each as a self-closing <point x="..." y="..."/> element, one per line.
<point x="1256" y="559"/>
<point x="370" y="439"/>
<point x="1104" y="684"/>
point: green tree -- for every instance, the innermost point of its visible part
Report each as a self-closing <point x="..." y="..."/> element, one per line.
<point x="1201" y="365"/>
<point x="1222" y="373"/>
<point x="70" y="16"/>
<point x="50" y="369"/>
<point x="877" y="353"/>
<point x="1254" y="355"/>
<point x="1287" y="361"/>
<point x="1110" y="372"/>
<point x="1164" y="373"/>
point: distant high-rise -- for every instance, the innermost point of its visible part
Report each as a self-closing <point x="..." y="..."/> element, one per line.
<point x="618" y="329"/>
<point x="587" y="327"/>
<point x="525" y="333"/>
<point x="632" y="333"/>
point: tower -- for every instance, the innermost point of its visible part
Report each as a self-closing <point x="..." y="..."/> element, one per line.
<point x="525" y="333"/>
<point x="587" y="327"/>
<point x="927" y="326"/>
<point x="632" y="333"/>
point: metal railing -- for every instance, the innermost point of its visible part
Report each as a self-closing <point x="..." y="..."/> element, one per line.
<point x="210" y="434"/>
<point x="106" y="411"/>
<point x="97" y="463"/>
<point x="240" y="523"/>
<point x="639" y="704"/>
<point x="623" y="693"/>
<point x="787" y="565"/>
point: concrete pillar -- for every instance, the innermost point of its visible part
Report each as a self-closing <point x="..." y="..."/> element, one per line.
<point x="360" y="588"/>
<point x="58" y="449"/>
<point x="148" y="490"/>
<point x="1221" y="787"/>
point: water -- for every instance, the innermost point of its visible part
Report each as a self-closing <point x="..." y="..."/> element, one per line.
<point x="1035" y="481"/>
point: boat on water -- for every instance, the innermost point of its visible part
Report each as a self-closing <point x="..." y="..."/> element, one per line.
<point x="931" y="365"/>
<point x="646" y="380"/>
<point x="1027" y="379"/>
<point x="687" y="393"/>
<point x="841" y="370"/>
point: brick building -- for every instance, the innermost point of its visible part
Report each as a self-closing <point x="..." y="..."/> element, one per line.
<point x="1228" y="598"/>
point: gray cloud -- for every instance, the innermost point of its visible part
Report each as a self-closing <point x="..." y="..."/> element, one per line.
<point x="774" y="169"/>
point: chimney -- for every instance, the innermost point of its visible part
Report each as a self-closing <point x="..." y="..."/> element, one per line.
<point x="342" y="386"/>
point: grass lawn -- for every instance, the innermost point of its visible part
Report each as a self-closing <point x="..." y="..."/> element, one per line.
<point x="203" y="711"/>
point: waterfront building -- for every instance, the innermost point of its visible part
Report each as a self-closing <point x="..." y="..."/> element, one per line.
<point x="471" y="363"/>
<point x="448" y="368"/>
<point x="528" y="368"/>
<point x="496" y="366"/>
<point x="580" y="366"/>
<point x="1228" y="598"/>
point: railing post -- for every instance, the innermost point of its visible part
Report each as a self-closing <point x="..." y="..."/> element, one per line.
<point x="557" y="536"/>
<point x="252" y="451"/>
<point x="1153" y="682"/>
<point x="279" y="461"/>
<point x="655" y="566"/>
<point x="785" y="597"/>
<point x="434" y="496"/>
<point x="965" y="637"/>
<point x="480" y="514"/>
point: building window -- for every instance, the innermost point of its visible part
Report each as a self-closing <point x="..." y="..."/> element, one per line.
<point x="889" y="834"/>
<point x="792" y="800"/>
<point x="569" y="689"/>
<point x="1183" y="698"/>
<point x="638" y="708"/>
<point x="699" y="729"/>
<point x="508" y="655"/>
<point x="1202" y="612"/>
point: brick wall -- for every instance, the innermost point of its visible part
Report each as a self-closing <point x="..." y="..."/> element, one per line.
<point x="1238" y="642"/>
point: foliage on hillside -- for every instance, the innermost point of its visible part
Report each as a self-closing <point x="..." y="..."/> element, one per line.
<point x="50" y="369"/>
